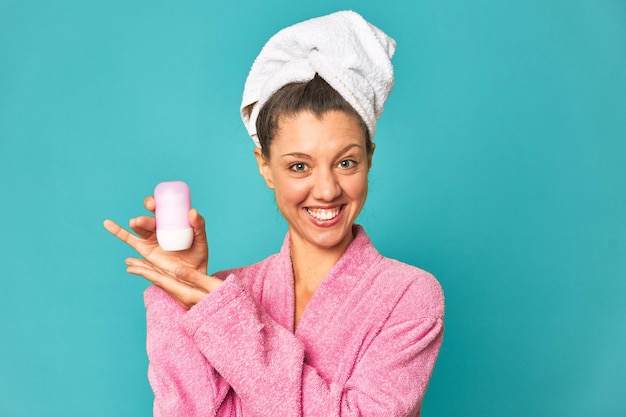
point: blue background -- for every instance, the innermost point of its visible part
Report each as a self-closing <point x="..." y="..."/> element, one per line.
<point x="500" y="168"/>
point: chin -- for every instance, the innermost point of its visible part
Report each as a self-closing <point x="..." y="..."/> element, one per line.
<point x="333" y="239"/>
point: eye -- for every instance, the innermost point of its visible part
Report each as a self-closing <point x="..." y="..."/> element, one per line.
<point x="347" y="163"/>
<point x="298" y="167"/>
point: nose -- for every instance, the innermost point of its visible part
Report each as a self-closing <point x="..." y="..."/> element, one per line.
<point x="326" y="186"/>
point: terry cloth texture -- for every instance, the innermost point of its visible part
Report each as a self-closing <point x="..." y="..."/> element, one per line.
<point x="365" y="345"/>
<point x="349" y="53"/>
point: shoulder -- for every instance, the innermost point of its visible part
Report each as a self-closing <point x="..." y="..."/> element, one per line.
<point x="422" y="292"/>
<point x="393" y="282"/>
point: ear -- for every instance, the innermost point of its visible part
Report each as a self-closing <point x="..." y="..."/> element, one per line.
<point x="264" y="168"/>
<point x="370" y="156"/>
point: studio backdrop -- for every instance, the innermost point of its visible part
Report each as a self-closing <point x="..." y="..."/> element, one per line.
<point x="499" y="167"/>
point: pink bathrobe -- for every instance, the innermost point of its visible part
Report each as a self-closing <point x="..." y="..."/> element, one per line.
<point x="365" y="345"/>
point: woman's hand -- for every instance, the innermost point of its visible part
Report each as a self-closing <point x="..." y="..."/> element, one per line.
<point x="146" y="244"/>
<point x="182" y="273"/>
<point x="186" y="285"/>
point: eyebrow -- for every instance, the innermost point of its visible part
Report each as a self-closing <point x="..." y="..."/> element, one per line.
<point x="299" y="155"/>
<point x="307" y="156"/>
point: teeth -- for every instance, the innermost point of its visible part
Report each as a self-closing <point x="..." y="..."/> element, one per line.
<point x="324" y="214"/>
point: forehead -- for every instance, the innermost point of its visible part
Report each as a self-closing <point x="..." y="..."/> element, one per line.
<point x="328" y="130"/>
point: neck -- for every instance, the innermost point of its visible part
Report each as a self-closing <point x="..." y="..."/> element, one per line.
<point x="311" y="264"/>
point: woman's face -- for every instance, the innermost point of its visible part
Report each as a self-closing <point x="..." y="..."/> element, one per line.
<point x="318" y="170"/>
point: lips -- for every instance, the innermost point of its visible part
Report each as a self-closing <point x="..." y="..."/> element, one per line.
<point x="324" y="214"/>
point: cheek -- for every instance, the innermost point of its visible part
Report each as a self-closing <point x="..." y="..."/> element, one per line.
<point x="289" y="191"/>
<point x="356" y="186"/>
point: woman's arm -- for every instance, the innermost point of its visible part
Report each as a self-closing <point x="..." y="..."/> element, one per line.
<point x="183" y="382"/>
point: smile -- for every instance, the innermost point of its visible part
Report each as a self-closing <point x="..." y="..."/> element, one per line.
<point x="324" y="214"/>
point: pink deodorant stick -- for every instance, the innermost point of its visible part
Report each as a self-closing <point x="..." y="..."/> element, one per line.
<point x="173" y="202"/>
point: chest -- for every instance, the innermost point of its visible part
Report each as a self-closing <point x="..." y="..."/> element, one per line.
<point x="335" y="323"/>
<point x="302" y="297"/>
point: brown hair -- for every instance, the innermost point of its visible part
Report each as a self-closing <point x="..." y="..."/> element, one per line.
<point x="316" y="96"/>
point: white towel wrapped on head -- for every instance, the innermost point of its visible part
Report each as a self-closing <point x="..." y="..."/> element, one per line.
<point x="349" y="53"/>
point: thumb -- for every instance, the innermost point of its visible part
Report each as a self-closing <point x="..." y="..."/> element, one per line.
<point x="199" y="227"/>
<point x="196" y="278"/>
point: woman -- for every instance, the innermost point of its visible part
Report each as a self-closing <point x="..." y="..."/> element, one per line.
<point x="327" y="326"/>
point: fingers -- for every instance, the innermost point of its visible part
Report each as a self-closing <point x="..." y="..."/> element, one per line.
<point x="144" y="226"/>
<point x="187" y="295"/>
<point x="148" y="271"/>
<point x="197" y="223"/>
<point x="119" y="232"/>
<point x="149" y="203"/>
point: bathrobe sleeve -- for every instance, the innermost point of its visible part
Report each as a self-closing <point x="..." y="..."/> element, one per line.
<point x="266" y="367"/>
<point x="183" y="382"/>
